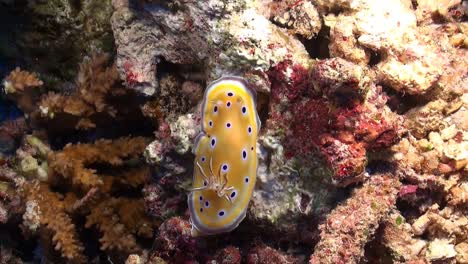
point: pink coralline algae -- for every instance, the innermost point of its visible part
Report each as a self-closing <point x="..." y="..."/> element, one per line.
<point x="228" y="255"/>
<point x="334" y="109"/>
<point x="161" y="201"/>
<point x="350" y="225"/>
<point x="266" y="255"/>
<point x="408" y="189"/>
<point x="175" y="243"/>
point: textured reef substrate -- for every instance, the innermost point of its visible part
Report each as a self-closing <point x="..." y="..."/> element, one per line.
<point x="362" y="156"/>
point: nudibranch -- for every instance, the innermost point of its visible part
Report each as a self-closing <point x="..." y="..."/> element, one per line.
<point x="225" y="166"/>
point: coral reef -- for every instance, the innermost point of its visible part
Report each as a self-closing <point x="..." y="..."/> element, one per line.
<point x="348" y="228"/>
<point x="362" y="155"/>
<point x="51" y="37"/>
<point x="91" y="194"/>
<point x="97" y="87"/>
<point x="264" y="254"/>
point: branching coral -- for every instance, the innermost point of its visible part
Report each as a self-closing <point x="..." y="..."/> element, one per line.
<point x="19" y="80"/>
<point x="21" y="87"/>
<point x="92" y="193"/>
<point x="119" y="219"/>
<point x="71" y="162"/>
<point x="53" y="216"/>
<point x="97" y="85"/>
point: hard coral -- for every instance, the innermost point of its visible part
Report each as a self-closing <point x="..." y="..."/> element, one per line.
<point x="10" y="201"/>
<point x="176" y="97"/>
<point x="95" y="194"/>
<point x="349" y="226"/>
<point x="162" y="200"/>
<point x="53" y="216"/>
<point x="21" y="87"/>
<point x="398" y="239"/>
<point x="119" y="220"/>
<point x="97" y="86"/>
<point x="71" y="162"/>
<point x="17" y="81"/>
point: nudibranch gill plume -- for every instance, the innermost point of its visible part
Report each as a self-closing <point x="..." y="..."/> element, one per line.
<point x="225" y="166"/>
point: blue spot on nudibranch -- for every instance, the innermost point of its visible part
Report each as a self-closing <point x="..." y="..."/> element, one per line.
<point x="213" y="142"/>
<point x="215" y="109"/>
<point x="233" y="194"/>
<point x="249" y="129"/>
<point x="221" y="213"/>
<point x="228" y="104"/>
<point x="207" y="204"/>
<point x="225" y="168"/>
<point x="244" y="110"/>
<point x="230" y="94"/>
<point x="228" y="125"/>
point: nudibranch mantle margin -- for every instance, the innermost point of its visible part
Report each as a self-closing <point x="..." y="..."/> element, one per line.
<point x="225" y="166"/>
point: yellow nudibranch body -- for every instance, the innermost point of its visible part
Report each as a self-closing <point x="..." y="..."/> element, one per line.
<point x="225" y="166"/>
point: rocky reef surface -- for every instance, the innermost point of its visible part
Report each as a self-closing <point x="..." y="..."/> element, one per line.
<point x="363" y="151"/>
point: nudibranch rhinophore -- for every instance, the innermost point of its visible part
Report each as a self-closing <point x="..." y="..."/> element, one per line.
<point x="225" y="166"/>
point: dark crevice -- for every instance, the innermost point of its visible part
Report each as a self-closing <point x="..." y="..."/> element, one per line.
<point x="263" y="103"/>
<point x="375" y="58"/>
<point x="380" y="166"/>
<point x="318" y="46"/>
<point x="185" y="71"/>
<point x="375" y="251"/>
<point x="400" y="102"/>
